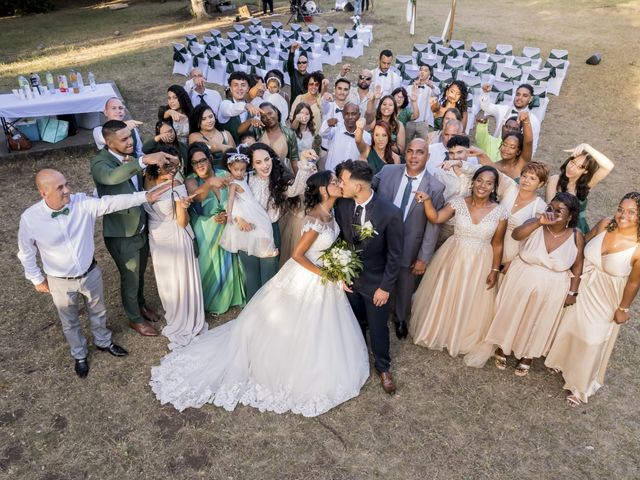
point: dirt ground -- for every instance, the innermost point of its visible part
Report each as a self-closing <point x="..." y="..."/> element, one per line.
<point x="446" y="422"/>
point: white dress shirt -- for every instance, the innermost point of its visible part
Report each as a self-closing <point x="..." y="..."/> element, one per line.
<point x="134" y="178"/>
<point x="364" y="208"/>
<point x="438" y="154"/>
<point x="329" y="111"/>
<point x="397" y="201"/>
<point x="341" y="145"/>
<point x="66" y="242"/>
<point x="502" y="112"/>
<point x="388" y="82"/>
<point x="354" y="97"/>
<point x="425" y="92"/>
<point x="232" y="108"/>
<point x="100" y="143"/>
<point x="211" y="97"/>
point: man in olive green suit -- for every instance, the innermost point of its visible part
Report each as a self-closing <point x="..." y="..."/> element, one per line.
<point x="115" y="171"/>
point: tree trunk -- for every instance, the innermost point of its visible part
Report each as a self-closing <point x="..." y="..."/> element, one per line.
<point x="198" y="9"/>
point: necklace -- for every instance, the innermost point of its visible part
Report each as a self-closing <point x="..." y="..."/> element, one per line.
<point x="326" y="211"/>
<point x="553" y="234"/>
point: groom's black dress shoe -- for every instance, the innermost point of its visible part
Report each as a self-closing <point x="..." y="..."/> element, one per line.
<point x="82" y="367"/>
<point x="401" y="330"/>
<point x="115" y="350"/>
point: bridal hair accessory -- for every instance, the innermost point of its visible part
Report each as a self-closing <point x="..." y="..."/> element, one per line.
<point x="237" y="156"/>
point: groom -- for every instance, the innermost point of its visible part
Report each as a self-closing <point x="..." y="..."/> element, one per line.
<point x="380" y="255"/>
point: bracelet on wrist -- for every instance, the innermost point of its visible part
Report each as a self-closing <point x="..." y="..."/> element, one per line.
<point x="622" y="309"/>
<point x="572" y="294"/>
<point x="495" y="270"/>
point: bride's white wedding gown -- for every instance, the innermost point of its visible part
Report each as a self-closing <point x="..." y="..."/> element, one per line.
<point x="296" y="346"/>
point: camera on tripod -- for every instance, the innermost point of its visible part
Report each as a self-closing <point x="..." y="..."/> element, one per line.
<point x="302" y="8"/>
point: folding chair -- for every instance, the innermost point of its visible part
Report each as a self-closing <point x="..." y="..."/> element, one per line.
<point x="455" y="65"/>
<point x="482" y="69"/>
<point x="181" y="60"/>
<point x="479" y="47"/>
<point x="457" y="45"/>
<point x="509" y="74"/>
<point x="352" y="46"/>
<point x="503" y="92"/>
<point x="402" y="62"/>
<point x="442" y="77"/>
<point x="216" y="73"/>
<point x="503" y="49"/>
<point x="434" y="42"/>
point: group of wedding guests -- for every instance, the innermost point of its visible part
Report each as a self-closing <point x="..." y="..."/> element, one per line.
<point x="465" y="256"/>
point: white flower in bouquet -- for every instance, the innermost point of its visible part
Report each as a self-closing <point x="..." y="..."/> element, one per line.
<point x="340" y="263"/>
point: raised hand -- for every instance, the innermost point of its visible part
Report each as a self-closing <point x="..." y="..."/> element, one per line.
<point x="218" y="182"/>
<point x="327" y="97"/>
<point x="486" y="87"/>
<point x="176" y="116"/>
<point x="132" y="124"/>
<point x="325" y="85"/>
<point x="413" y="96"/>
<point x="474" y="151"/>
<point x="199" y="81"/>
<point x="523" y="117"/>
<point x="361" y="123"/>
<point x="332" y="122"/>
<point x="433" y="103"/>
<point x="481" y="117"/>
<point x="253" y="110"/>
<point x="159" y="158"/>
<point x="185" y="202"/>
<point x="549" y="217"/>
<point x="377" y="92"/>
<point x="294" y="46"/>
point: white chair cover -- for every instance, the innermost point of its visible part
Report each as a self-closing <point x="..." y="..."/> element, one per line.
<point x="182" y="60"/>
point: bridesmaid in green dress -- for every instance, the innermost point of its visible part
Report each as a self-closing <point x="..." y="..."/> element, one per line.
<point x="583" y="170"/>
<point x="379" y="153"/>
<point x="221" y="271"/>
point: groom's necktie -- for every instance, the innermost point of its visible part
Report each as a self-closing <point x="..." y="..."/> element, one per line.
<point x="356" y="220"/>
<point x="406" y="194"/>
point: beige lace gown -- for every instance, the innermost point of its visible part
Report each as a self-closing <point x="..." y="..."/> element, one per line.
<point x="587" y="332"/>
<point x="452" y="307"/>
<point x="531" y="298"/>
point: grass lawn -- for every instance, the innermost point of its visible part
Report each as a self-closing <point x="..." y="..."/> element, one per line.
<point x="447" y="421"/>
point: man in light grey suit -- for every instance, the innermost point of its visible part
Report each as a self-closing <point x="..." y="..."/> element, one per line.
<point x="398" y="183"/>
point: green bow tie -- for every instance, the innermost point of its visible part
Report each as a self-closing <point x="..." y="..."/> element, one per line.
<point x="64" y="211"/>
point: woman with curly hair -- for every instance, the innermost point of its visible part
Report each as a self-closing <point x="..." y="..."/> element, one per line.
<point x="454" y="95"/>
<point x="313" y="85"/>
<point x="177" y="111"/>
<point x="453" y="305"/>
<point x="297" y="346"/>
<point x="220" y="271"/>
<point x="610" y="282"/>
<point x="583" y="170"/>
<point x="276" y="190"/>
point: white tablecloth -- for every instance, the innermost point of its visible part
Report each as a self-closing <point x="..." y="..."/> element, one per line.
<point x="57" y="104"/>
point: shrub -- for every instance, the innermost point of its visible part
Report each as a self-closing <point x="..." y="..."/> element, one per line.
<point x="23" y="7"/>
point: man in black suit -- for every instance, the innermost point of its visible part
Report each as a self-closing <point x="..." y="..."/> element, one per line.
<point x="380" y="255"/>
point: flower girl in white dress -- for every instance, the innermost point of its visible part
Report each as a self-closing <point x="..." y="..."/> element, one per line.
<point x="249" y="227"/>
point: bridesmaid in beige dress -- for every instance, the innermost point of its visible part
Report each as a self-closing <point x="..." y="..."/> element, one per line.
<point x="174" y="262"/>
<point x="611" y="279"/>
<point x="453" y="304"/>
<point x="543" y="278"/>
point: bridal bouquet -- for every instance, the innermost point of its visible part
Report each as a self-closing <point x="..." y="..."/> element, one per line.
<point x="341" y="263"/>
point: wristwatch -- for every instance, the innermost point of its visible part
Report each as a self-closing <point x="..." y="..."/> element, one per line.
<point x="572" y="294"/>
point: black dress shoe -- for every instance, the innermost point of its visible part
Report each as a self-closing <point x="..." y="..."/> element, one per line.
<point x="401" y="330"/>
<point x="115" y="350"/>
<point x="82" y="367"/>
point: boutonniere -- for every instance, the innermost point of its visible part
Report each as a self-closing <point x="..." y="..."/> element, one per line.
<point x="365" y="231"/>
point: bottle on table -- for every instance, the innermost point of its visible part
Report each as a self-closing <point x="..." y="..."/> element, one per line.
<point x="63" y="85"/>
<point x="50" y="85"/>
<point x="73" y="80"/>
<point x="92" y="80"/>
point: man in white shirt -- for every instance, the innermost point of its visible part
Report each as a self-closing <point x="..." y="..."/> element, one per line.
<point x="438" y="151"/>
<point x="521" y="100"/>
<point x="360" y="94"/>
<point x="332" y="107"/>
<point x="236" y="114"/>
<point x="199" y="93"/>
<point x="384" y="76"/>
<point x="61" y="227"/>
<point x="114" y="109"/>
<point x="341" y="137"/>
<point x="426" y="89"/>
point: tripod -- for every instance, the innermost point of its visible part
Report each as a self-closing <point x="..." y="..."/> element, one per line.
<point x="296" y="11"/>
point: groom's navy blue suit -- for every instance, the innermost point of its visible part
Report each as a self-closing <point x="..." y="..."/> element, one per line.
<point x="380" y="256"/>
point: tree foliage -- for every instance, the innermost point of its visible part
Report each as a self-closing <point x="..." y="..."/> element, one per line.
<point x="22" y="7"/>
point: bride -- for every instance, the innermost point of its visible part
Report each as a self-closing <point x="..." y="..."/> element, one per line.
<point x="296" y="345"/>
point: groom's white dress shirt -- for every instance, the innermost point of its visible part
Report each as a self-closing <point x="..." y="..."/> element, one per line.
<point x="65" y="242"/>
<point x="364" y="208"/>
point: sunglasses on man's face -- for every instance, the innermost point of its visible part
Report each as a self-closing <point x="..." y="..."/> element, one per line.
<point x="362" y="77"/>
<point x="302" y="62"/>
